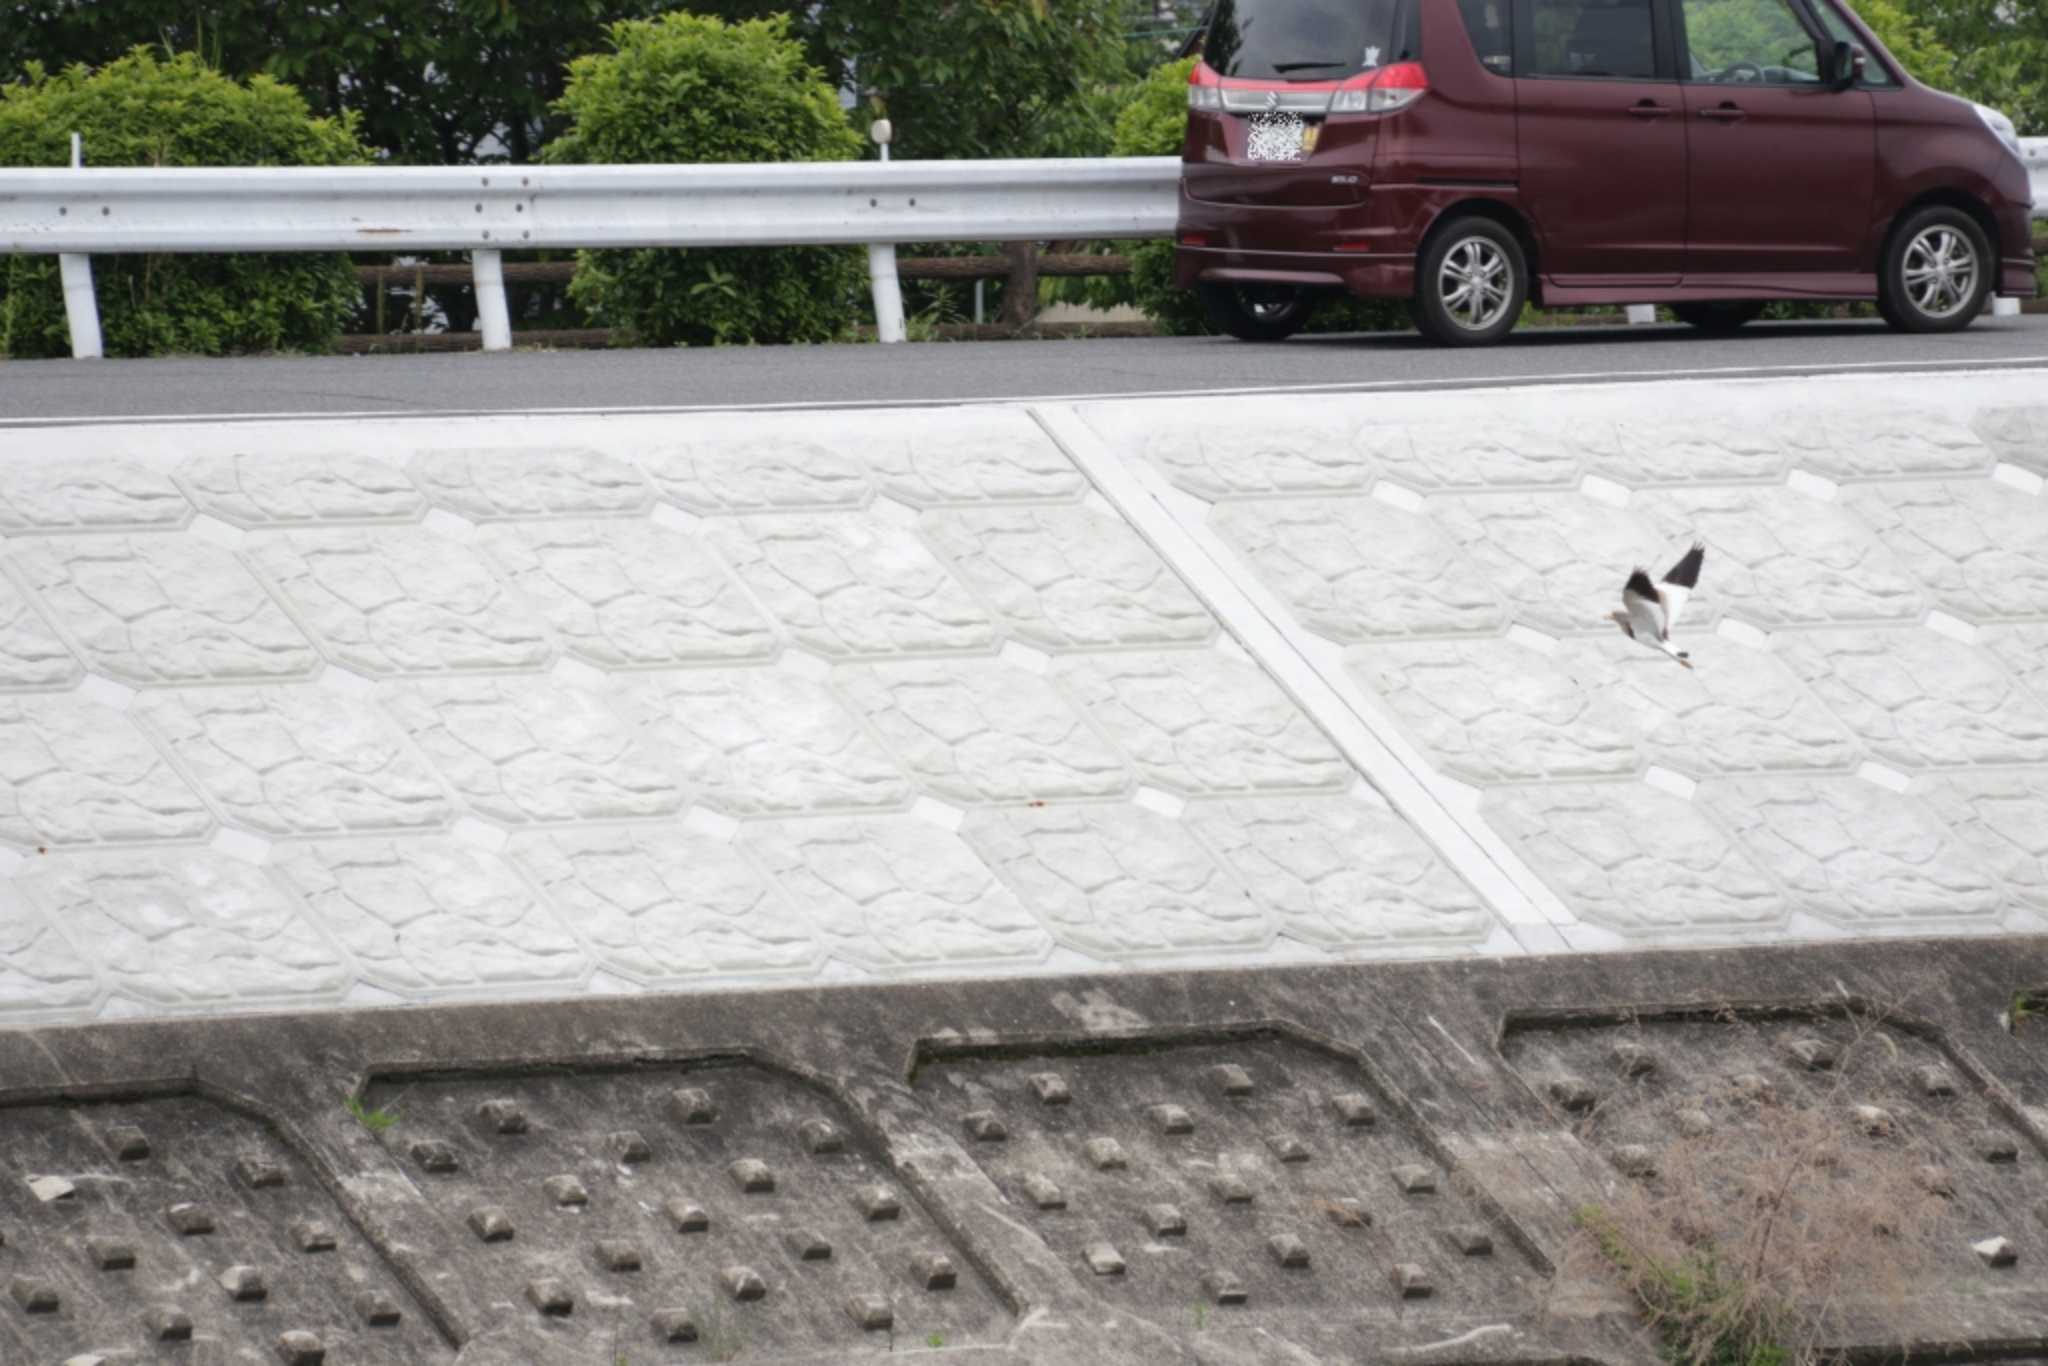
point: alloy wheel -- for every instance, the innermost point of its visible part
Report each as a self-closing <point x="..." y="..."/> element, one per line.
<point x="1475" y="282"/>
<point x="1940" y="271"/>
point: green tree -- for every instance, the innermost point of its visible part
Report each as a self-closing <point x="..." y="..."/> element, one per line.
<point x="687" y="87"/>
<point x="966" y="78"/>
<point x="2000" y="47"/>
<point x="143" y="111"/>
<point x="432" y="81"/>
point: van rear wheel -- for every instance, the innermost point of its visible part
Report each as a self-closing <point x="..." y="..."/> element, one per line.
<point x="1936" y="271"/>
<point x="1470" y="283"/>
<point x="1721" y="315"/>
<point x="1259" y="312"/>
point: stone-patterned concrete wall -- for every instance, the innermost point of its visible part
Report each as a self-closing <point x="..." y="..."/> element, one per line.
<point x="1862" y="745"/>
<point x="320" y="716"/>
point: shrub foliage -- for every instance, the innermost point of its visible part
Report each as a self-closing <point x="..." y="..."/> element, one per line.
<point x="691" y="88"/>
<point x="142" y="111"/>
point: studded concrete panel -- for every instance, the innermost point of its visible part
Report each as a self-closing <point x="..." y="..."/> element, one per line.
<point x="1655" y="1092"/>
<point x="611" y="1208"/>
<point x="177" y="1229"/>
<point x="1249" y="1174"/>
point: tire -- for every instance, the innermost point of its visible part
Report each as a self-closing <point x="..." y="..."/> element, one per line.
<point x="1470" y="251"/>
<point x="1719" y="317"/>
<point x="1936" y="272"/>
<point x="1259" y="312"/>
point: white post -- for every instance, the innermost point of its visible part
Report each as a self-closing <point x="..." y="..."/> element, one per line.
<point x="888" y="292"/>
<point x="1639" y="314"/>
<point x="2005" y="308"/>
<point x="81" y="307"/>
<point x="487" y="269"/>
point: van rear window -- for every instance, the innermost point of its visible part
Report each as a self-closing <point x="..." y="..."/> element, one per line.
<point x="1307" y="40"/>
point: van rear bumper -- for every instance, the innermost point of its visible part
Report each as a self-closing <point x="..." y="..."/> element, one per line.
<point x="1367" y="275"/>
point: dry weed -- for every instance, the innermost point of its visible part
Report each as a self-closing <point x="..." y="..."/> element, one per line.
<point x="1747" y="1243"/>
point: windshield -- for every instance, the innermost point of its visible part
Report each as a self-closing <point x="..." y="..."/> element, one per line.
<point x="1303" y="40"/>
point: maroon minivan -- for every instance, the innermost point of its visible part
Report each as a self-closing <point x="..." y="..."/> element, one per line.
<point x="1473" y="155"/>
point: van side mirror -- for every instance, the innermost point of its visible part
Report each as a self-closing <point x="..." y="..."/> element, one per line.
<point x="1847" y="65"/>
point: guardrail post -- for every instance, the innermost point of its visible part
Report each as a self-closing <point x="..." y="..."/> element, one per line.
<point x="888" y="292"/>
<point x="81" y="305"/>
<point x="1639" y="314"/>
<point x="495" y="320"/>
<point x="81" y="308"/>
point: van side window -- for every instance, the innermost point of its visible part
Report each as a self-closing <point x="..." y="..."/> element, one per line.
<point x="1874" y="75"/>
<point x="1612" y="38"/>
<point x="1487" y="22"/>
<point x="1748" y="42"/>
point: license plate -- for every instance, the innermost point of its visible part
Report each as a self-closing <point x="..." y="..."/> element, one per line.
<point x="1278" y="136"/>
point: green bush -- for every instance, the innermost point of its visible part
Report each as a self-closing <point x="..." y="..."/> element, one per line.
<point x="142" y="111"/>
<point x="689" y="88"/>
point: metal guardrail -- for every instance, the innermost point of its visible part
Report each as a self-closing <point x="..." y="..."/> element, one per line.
<point x="79" y="213"/>
<point x="404" y="208"/>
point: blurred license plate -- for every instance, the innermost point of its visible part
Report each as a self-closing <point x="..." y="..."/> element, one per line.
<point x="1279" y="137"/>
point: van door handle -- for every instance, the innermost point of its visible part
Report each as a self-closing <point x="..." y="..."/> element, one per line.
<point x="1726" y="112"/>
<point x="1647" y="109"/>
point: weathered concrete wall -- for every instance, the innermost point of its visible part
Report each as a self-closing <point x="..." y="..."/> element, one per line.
<point x="1071" y="1171"/>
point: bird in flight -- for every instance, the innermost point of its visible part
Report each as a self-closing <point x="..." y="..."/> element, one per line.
<point x="1650" y="610"/>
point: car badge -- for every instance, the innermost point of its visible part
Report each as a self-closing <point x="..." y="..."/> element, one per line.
<point x="1272" y="100"/>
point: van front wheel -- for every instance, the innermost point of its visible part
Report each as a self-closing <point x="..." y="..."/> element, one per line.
<point x="1258" y="312"/>
<point x="1470" y="283"/>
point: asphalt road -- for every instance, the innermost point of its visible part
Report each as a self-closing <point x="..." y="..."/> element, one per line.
<point x="70" y="391"/>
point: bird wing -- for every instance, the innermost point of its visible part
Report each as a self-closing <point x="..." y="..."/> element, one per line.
<point x="1645" y="606"/>
<point x="1679" y="583"/>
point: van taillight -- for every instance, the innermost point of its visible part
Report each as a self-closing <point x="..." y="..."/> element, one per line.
<point x="1205" y="88"/>
<point x="1382" y="91"/>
